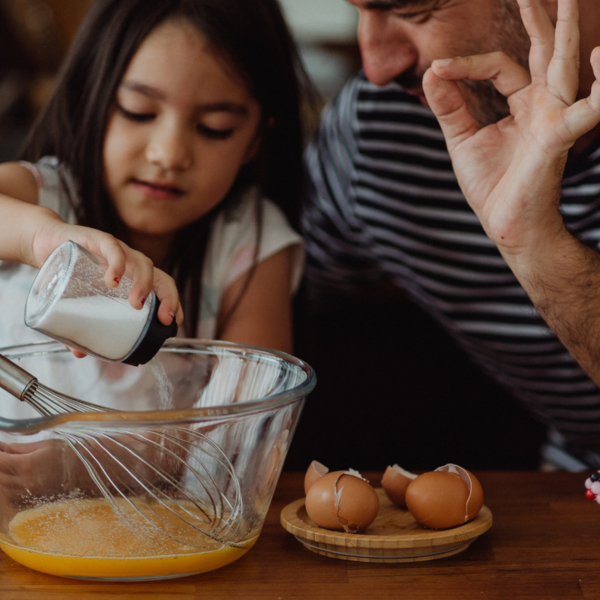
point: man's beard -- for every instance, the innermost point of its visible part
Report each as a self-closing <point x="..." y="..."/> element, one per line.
<point x="485" y="102"/>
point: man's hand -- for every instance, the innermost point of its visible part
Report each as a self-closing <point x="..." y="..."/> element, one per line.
<point x="510" y="172"/>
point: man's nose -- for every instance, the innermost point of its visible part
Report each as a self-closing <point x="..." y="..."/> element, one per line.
<point x="169" y="146"/>
<point x="386" y="50"/>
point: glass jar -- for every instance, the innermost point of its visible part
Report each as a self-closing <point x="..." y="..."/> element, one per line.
<point x="69" y="301"/>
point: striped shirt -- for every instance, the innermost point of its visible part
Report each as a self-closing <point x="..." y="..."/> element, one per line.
<point x="385" y="203"/>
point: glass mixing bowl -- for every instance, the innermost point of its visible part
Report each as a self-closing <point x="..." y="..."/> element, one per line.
<point x="176" y="482"/>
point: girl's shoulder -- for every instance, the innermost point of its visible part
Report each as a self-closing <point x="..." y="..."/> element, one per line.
<point x="18" y="182"/>
<point x="254" y="217"/>
<point x="55" y="185"/>
<point x="249" y="231"/>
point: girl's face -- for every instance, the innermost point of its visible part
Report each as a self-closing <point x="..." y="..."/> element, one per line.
<point x="181" y="127"/>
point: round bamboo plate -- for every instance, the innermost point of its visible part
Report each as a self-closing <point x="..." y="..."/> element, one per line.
<point x="393" y="537"/>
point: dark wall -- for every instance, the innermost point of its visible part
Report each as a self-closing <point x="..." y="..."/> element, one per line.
<point x="393" y="388"/>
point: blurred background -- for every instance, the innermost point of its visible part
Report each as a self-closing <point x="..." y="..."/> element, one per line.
<point x="392" y="387"/>
<point x="35" y="35"/>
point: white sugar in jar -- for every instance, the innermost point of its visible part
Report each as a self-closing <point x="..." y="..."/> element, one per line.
<point x="70" y="302"/>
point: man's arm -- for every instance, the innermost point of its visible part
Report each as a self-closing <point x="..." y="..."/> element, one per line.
<point x="511" y="172"/>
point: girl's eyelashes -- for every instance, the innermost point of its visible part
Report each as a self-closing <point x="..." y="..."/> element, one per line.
<point x="135" y="116"/>
<point x="214" y="134"/>
<point x="208" y="132"/>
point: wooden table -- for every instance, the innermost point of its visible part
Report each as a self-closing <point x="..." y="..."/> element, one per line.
<point x="544" y="543"/>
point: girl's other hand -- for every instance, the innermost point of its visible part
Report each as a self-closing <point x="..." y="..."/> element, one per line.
<point x="40" y="470"/>
<point x="119" y="258"/>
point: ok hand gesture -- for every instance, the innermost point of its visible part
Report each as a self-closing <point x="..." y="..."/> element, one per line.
<point x="510" y="172"/>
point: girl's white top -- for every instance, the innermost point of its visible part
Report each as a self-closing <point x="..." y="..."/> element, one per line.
<point x="230" y="253"/>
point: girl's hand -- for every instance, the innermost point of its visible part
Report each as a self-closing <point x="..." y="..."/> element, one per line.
<point x="120" y="257"/>
<point x="511" y="172"/>
<point x="38" y="469"/>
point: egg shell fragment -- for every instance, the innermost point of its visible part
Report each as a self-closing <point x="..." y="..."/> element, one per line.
<point x="475" y="500"/>
<point x="446" y="497"/>
<point x="315" y="471"/>
<point x="395" y="482"/>
<point x="342" y="501"/>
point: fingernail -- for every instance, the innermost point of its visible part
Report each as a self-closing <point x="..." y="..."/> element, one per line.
<point x="117" y="280"/>
<point x="142" y="300"/>
<point x="443" y="62"/>
<point x="172" y="315"/>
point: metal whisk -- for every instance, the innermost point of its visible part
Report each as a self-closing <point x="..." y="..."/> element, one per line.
<point x="130" y="469"/>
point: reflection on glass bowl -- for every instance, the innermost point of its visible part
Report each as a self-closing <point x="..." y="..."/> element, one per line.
<point x="177" y="484"/>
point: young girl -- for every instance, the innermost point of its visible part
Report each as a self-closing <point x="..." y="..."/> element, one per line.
<point x="172" y="144"/>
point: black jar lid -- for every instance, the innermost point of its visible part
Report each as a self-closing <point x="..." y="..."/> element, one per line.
<point x="152" y="340"/>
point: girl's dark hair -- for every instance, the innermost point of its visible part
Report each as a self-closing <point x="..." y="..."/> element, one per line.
<point x="249" y="35"/>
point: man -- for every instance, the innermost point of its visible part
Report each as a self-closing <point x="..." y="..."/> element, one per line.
<point x="512" y="271"/>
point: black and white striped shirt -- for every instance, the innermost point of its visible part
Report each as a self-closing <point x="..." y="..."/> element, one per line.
<point x="385" y="203"/>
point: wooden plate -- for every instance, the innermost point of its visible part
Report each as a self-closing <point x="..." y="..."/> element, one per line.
<point x="393" y="537"/>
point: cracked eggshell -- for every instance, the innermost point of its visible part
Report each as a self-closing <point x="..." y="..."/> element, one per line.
<point x="475" y="499"/>
<point x="447" y="497"/>
<point x="395" y="482"/>
<point x="342" y="500"/>
<point x="315" y="471"/>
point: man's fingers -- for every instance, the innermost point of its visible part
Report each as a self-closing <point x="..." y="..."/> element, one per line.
<point x="450" y="108"/>
<point x="541" y="33"/>
<point x="584" y="115"/>
<point x="508" y="76"/>
<point x="563" y="72"/>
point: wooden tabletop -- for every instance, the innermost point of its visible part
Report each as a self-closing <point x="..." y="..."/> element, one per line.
<point x="544" y="543"/>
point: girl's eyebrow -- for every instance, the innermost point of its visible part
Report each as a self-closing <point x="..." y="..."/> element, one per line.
<point x="150" y="92"/>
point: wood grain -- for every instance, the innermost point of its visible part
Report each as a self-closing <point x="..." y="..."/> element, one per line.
<point x="544" y="545"/>
<point x="393" y="537"/>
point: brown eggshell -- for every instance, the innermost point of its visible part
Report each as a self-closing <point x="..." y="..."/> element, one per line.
<point x="394" y="483"/>
<point x="314" y="472"/>
<point x="437" y="499"/>
<point x="358" y="505"/>
<point x="475" y="499"/>
<point x="342" y="501"/>
<point x="321" y="504"/>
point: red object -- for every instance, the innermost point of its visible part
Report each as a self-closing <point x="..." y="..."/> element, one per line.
<point x="589" y="494"/>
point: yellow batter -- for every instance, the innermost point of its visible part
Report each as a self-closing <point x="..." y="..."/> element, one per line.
<point x="86" y="538"/>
